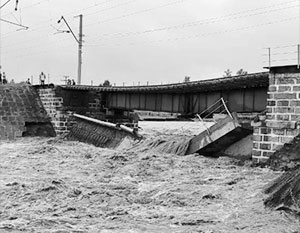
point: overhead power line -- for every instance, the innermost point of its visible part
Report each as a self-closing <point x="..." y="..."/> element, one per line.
<point x="204" y="34"/>
<point x="45" y="25"/>
<point x="283" y="53"/>
<point x="16" y="24"/>
<point x="205" y="21"/>
<point x="28" y="6"/>
<point x="192" y="24"/>
<point x="207" y="34"/>
<point x="110" y="8"/>
<point x="50" y="46"/>
<point x="237" y="29"/>
<point x="81" y="10"/>
<point x="138" y="12"/>
<point x="281" y="47"/>
<point x="60" y="48"/>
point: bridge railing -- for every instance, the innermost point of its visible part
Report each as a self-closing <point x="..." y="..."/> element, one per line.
<point x="282" y="55"/>
<point x="219" y="107"/>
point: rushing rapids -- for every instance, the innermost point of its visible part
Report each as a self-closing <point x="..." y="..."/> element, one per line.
<point x="53" y="185"/>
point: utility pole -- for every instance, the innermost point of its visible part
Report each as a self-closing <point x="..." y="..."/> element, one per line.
<point x="79" y="51"/>
<point x="79" y="41"/>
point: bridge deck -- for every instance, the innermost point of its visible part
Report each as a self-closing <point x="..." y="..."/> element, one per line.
<point x="225" y="83"/>
<point x="245" y="93"/>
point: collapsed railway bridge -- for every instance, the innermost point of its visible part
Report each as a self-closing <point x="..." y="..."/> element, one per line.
<point x="272" y="97"/>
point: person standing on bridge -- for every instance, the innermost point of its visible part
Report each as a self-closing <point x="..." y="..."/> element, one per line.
<point x="42" y="78"/>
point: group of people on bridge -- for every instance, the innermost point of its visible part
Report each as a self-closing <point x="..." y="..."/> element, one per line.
<point x="71" y="82"/>
<point x="42" y="79"/>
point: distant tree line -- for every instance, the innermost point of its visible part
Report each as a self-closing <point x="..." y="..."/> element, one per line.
<point x="228" y="72"/>
<point x="106" y="83"/>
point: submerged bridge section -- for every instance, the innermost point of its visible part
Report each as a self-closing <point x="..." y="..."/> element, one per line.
<point x="245" y="93"/>
<point x="218" y="137"/>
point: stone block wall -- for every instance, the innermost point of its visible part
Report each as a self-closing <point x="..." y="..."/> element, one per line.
<point x="19" y="105"/>
<point x="282" y="117"/>
<point x="61" y="103"/>
<point x="95" y="105"/>
<point x="61" y="119"/>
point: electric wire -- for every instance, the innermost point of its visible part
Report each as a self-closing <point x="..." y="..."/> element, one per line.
<point x="190" y="24"/>
<point x="46" y="25"/>
<point x="40" y="45"/>
<point x="171" y="39"/>
<point x="145" y="10"/>
<point x="283" y="53"/>
<point x="110" y="8"/>
<point x="281" y="47"/>
<point x="214" y="33"/>
<point x="203" y="34"/>
<point x="287" y="59"/>
<point x="197" y="23"/>
<point x="150" y="9"/>
<point x="28" y="6"/>
<point x="137" y="12"/>
<point x="15" y="24"/>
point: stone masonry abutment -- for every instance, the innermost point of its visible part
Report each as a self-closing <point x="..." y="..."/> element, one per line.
<point x="60" y="104"/>
<point x="22" y="113"/>
<point x="281" y="122"/>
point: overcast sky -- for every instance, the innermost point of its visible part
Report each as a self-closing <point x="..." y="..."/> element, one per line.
<point x="135" y="41"/>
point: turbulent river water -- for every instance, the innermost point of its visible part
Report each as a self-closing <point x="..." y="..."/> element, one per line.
<point x="52" y="185"/>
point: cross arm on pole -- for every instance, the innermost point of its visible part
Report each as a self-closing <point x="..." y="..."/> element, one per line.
<point x="62" y="18"/>
<point x="4" y="4"/>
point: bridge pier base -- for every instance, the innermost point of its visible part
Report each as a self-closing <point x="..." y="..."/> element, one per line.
<point x="61" y="120"/>
<point x="281" y="121"/>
